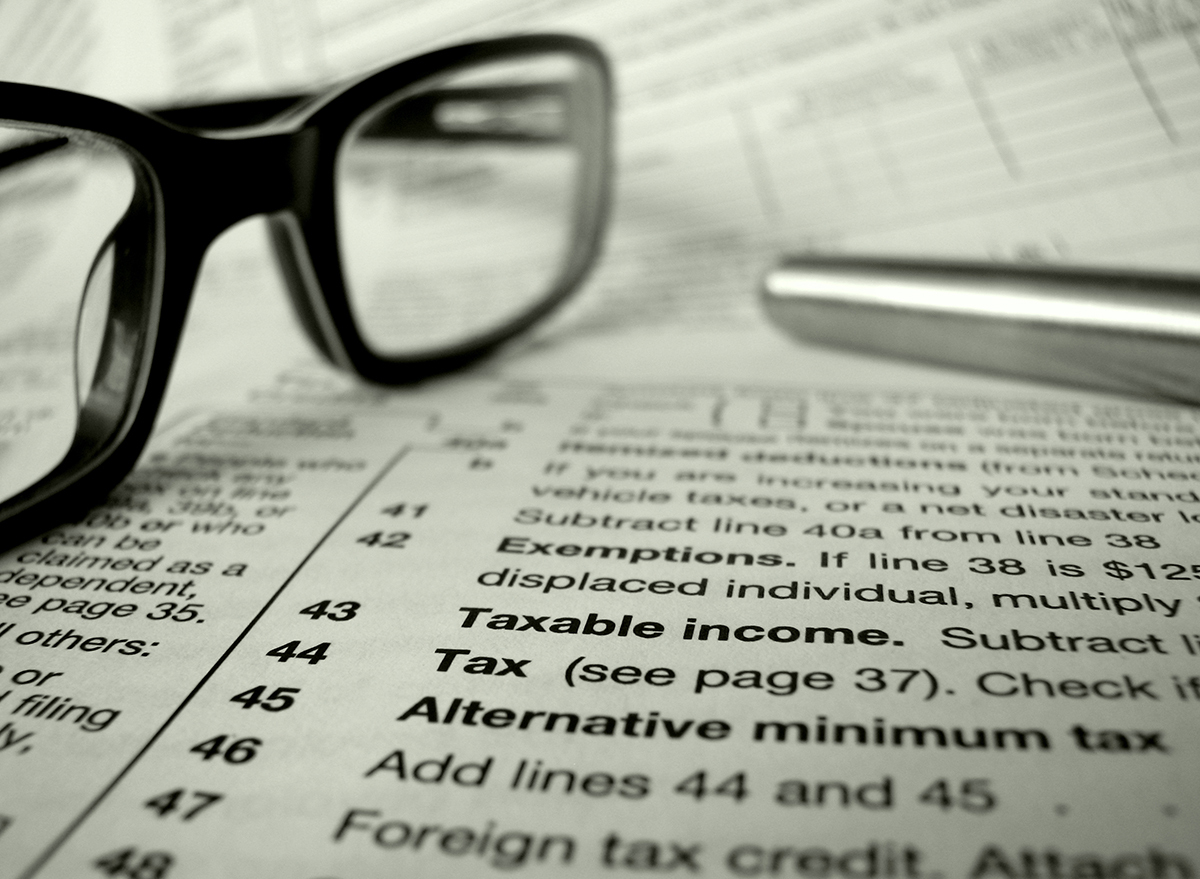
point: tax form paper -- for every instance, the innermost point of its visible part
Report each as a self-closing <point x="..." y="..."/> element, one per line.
<point x="660" y="592"/>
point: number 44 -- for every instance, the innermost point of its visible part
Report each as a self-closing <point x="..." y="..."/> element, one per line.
<point x="699" y="787"/>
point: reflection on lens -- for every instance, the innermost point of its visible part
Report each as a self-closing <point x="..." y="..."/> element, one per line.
<point x="92" y="322"/>
<point x="60" y="197"/>
<point x="457" y="200"/>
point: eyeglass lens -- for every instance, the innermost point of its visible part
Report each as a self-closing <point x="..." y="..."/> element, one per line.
<point x="456" y="201"/>
<point x="61" y="197"/>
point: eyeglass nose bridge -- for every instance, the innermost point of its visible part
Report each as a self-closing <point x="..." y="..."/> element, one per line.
<point x="229" y="177"/>
<point x="226" y="179"/>
<point x="216" y="180"/>
<point x="283" y="177"/>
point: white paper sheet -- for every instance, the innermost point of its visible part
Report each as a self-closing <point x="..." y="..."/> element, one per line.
<point x="841" y="618"/>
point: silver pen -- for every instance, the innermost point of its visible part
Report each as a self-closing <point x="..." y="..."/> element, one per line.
<point x="1129" y="332"/>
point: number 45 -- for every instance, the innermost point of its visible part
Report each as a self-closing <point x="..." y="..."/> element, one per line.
<point x="970" y="795"/>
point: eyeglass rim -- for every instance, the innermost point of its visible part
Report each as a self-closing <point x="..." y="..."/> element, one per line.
<point x="159" y="149"/>
<point x="316" y="285"/>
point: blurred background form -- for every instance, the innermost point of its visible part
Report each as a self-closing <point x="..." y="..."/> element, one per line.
<point x="1009" y="130"/>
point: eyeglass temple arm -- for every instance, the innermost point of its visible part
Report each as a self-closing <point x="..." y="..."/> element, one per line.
<point x="509" y="112"/>
<point x="492" y="113"/>
<point x="26" y="151"/>
<point x="219" y="115"/>
<point x="532" y="113"/>
<point x="226" y="114"/>
<point x="529" y="112"/>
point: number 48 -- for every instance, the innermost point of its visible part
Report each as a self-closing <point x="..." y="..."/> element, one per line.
<point x="127" y="863"/>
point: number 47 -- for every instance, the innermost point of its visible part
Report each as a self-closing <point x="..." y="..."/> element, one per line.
<point x="174" y="800"/>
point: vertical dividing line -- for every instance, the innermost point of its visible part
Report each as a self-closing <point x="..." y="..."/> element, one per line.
<point x="274" y="26"/>
<point x="987" y="115"/>
<point x="759" y="168"/>
<point x="95" y="803"/>
<point x="885" y="152"/>
<point x="1149" y="92"/>
<point x="716" y="416"/>
<point x="1189" y="36"/>
<point x="832" y="158"/>
<point x="314" y="44"/>
<point x="768" y="412"/>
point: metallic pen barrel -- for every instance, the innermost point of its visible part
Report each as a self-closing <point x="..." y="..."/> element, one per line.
<point x="1132" y="333"/>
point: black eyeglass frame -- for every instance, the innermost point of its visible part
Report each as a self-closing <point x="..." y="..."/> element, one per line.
<point x="191" y="186"/>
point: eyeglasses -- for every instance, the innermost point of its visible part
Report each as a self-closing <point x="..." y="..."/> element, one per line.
<point x="422" y="216"/>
